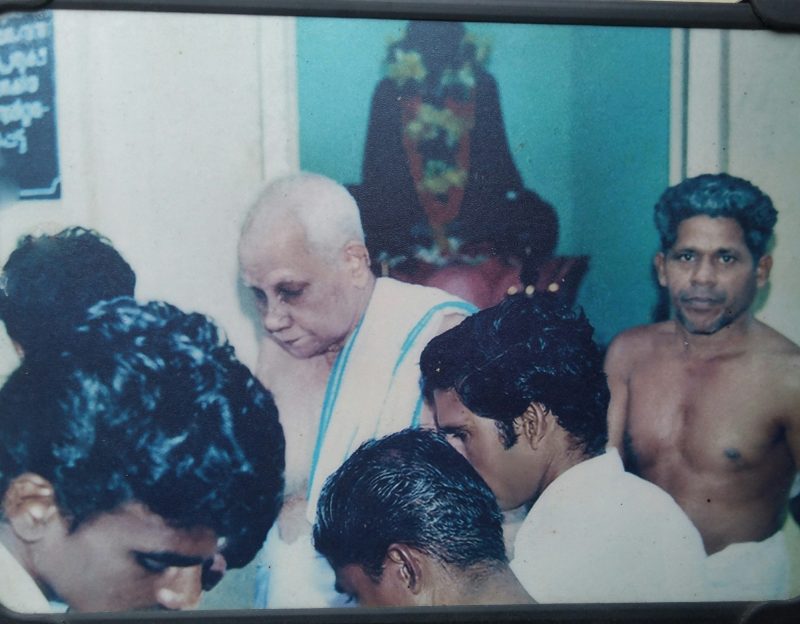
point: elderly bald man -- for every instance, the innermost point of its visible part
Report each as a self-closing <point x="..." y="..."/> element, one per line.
<point x="340" y="352"/>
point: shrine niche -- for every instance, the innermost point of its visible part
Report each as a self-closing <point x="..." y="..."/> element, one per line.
<point x="441" y="199"/>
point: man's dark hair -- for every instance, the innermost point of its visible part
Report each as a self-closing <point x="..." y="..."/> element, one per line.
<point x="148" y="404"/>
<point x="524" y="350"/>
<point x="409" y="488"/>
<point x="717" y="195"/>
<point x="50" y="281"/>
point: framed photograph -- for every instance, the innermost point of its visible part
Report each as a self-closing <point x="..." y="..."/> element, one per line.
<point x="491" y="147"/>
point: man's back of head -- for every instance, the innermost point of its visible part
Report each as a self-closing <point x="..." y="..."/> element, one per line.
<point x="401" y="508"/>
<point x="146" y="420"/>
<point x="50" y="281"/>
<point x="523" y="351"/>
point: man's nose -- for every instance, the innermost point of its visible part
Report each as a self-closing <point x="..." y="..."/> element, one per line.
<point x="276" y="317"/>
<point x="704" y="272"/>
<point x="180" y="588"/>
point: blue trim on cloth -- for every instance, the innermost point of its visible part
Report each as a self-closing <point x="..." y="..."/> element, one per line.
<point x="462" y="306"/>
<point x="415" y="332"/>
<point x="331" y="392"/>
<point x="340" y="365"/>
<point x="417" y="413"/>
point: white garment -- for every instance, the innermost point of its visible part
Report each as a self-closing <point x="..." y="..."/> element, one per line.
<point x="294" y="576"/>
<point x="752" y="570"/>
<point x="600" y="534"/>
<point x="18" y="591"/>
<point x="373" y="390"/>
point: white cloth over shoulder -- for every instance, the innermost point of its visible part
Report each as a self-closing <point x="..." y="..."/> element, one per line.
<point x="373" y="389"/>
<point x="18" y="591"/>
<point x="600" y="534"/>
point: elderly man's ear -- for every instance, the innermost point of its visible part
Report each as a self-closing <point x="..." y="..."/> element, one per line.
<point x="356" y="258"/>
<point x="29" y="506"/>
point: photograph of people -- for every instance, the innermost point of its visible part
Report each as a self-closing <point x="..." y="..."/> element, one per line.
<point x="268" y="281"/>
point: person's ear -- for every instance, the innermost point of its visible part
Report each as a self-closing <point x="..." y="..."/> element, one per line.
<point x="534" y="424"/>
<point x="29" y="506"/>
<point x="763" y="267"/>
<point x="404" y="568"/>
<point x="660" y="263"/>
<point x="356" y="258"/>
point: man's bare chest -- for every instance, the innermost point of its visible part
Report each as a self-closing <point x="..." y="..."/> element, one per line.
<point x="707" y="416"/>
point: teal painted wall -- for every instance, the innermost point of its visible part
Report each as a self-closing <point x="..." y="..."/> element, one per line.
<point x="620" y="164"/>
<point x="587" y="116"/>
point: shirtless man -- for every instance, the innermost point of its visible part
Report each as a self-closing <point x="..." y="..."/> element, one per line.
<point x="711" y="399"/>
<point x="340" y="354"/>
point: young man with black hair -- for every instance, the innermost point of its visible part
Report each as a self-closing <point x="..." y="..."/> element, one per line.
<point x="50" y="281"/>
<point x="406" y="521"/>
<point x="129" y="460"/>
<point x="710" y="400"/>
<point x="519" y="390"/>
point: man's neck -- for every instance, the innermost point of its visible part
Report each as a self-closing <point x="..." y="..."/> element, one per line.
<point x="727" y="339"/>
<point x="365" y="295"/>
<point x="497" y="588"/>
<point x="501" y="588"/>
<point x="564" y="456"/>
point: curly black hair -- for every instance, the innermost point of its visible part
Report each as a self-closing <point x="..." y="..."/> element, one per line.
<point x="717" y="195"/>
<point x="150" y="405"/>
<point x="410" y="488"/>
<point x="524" y="350"/>
<point x="50" y="281"/>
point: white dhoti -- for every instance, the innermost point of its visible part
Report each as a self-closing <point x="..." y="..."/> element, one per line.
<point x="373" y="390"/>
<point x="751" y="570"/>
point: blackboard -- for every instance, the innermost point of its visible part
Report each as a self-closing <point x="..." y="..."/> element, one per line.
<point x="28" y="137"/>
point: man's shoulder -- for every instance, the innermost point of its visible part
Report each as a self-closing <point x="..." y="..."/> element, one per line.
<point x="419" y="299"/>
<point x="640" y="341"/>
<point x="770" y="342"/>
<point x="779" y="360"/>
<point x="613" y="497"/>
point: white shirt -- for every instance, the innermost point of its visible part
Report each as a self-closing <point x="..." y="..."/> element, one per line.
<point x="18" y="591"/>
<point x="600" y="534"/>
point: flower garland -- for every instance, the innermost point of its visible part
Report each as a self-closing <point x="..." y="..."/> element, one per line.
<point x="438" y="113"/>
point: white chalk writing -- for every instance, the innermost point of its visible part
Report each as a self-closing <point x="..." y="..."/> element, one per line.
<point x="15" y="140"/>
<point x="28" y="83"/>
<point x="24" y="33"/>
<point x="24" y="112"/>
<point x="20" y="61"/>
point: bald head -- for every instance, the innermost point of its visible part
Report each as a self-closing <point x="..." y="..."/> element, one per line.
<point x="324" y="210"/>
<point x="302" y="254"/>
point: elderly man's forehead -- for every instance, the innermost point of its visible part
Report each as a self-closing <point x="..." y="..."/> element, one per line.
<point x="273" y="225"/>
<point x="293" y="195"/>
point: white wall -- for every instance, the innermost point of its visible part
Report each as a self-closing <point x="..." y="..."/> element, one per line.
<point x="742" y="115"/>
<point x="168" y="125"/>
<point x="764" y="145"/>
